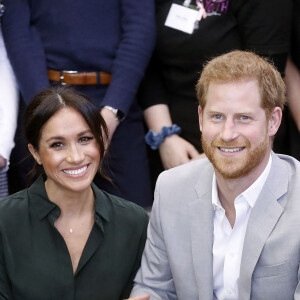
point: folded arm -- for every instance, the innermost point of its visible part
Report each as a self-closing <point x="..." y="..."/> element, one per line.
<point x="292" y="80"/>
<point x="174" y="150"/>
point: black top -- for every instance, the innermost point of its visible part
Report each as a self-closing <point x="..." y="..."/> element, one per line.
<point x="256" y="25"/>
<point x="34" y="260"/>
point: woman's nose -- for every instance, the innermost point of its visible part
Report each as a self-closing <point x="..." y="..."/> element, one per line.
<point x="75" y="154"/>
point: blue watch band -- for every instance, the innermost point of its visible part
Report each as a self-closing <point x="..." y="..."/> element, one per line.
<point x="155" y="139"/>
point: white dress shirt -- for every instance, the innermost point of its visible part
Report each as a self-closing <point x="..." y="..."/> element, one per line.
<point x="9" y="100"/>
<point x="228" y="241"/>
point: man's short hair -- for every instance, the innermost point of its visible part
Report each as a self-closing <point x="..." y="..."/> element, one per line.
<point x="240" y="66"/>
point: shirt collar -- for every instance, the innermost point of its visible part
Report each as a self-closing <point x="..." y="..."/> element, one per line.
<point x="43" y="206"/>
<point x="102" y="207"/>
<point x="250" y="194"/>
<point x="214" y="195"/>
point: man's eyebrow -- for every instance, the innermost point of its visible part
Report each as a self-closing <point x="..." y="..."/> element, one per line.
<point x="214" y="111"/>
<point x="246" y="112"/>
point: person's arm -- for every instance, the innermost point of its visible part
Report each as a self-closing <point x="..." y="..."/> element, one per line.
<point x="132" y="56"/>
<point x="292" y="80"/>
<point x="24" y="48"/>
<point x="153" y="98"/>
<point x="154" y="277"/>
<point x="174" y="150"/>
<point x="3" y="162"/>
<point x="8" y="106"/>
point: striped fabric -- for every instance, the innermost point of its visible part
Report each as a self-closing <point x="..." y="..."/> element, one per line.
<point x="3" y="184"/>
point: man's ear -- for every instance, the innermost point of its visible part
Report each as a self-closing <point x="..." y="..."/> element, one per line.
<point x="274" y="121"/>
<point x="200" y="115"/>
<point x="35" y="154"/>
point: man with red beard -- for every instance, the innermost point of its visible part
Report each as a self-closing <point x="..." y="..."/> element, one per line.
<point x="228" y="226"/>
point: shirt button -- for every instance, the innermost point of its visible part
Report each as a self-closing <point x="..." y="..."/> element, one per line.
<point x="228" y="291"/>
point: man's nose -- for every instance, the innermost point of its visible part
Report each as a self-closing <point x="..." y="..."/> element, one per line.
<point x="229" y="130"/>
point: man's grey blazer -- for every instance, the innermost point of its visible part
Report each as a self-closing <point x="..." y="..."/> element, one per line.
<point x="177" y="260"/>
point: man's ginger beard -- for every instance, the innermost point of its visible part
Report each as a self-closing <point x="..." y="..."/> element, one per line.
<point x="233" y="167"/>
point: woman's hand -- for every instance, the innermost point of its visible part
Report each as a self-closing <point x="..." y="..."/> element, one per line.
<point x="2" y="162"/>
<point x="144" y="297"/>
<point x="111" y="122"/>
<point x="175" y="151"/>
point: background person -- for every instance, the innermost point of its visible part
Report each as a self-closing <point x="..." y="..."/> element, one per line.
<point x="227" y="227"/>
<point x="108" y="44"/>
<point x="64" y="238"/>
<point x="292" y="80"/>
<point x="8" y="113"/>
<point x="167" y="92"/>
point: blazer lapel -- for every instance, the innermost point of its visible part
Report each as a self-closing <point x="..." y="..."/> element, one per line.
<point x="262" y="221"/>
<point x="201" y="228"/>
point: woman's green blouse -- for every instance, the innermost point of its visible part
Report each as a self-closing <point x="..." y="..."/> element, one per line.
<point x="34" y="260"/>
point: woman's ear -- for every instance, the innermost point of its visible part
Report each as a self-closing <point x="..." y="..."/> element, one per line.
<point x="35" y="154"/>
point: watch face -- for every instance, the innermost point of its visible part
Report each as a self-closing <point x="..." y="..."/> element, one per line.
<point x="120" y="115"/>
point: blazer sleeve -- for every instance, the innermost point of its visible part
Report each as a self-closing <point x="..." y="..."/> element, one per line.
<point x="133" y="53"/>
<point x="154" y="276"/>
<point x="24" y="48"/>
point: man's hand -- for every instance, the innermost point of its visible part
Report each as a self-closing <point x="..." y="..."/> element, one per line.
<point x="2" y="162"/>
<point x="175" y="151"/>
<point x="144" y="297"/>
<point x="111" y="122"/>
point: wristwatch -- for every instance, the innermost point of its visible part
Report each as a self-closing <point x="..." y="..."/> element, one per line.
<point x="118" y="113"/>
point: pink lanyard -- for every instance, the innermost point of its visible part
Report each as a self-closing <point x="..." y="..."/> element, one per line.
<point x="202" y="11"/>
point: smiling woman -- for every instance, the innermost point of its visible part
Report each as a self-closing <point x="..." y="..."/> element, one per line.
<point x="68" y="152"/>
<point x="49" y="103"/>
<point x="74" y="240"/>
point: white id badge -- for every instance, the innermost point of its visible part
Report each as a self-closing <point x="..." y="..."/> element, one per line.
<point x="181" y="18"/>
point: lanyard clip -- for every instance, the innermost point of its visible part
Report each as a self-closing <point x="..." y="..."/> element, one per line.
<point x="186" y="3"/>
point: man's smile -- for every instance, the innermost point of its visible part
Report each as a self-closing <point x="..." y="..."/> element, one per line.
<point x="231" y="150"/>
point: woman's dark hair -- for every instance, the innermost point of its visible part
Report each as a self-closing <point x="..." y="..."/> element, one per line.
<point x="48" y="102"/>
